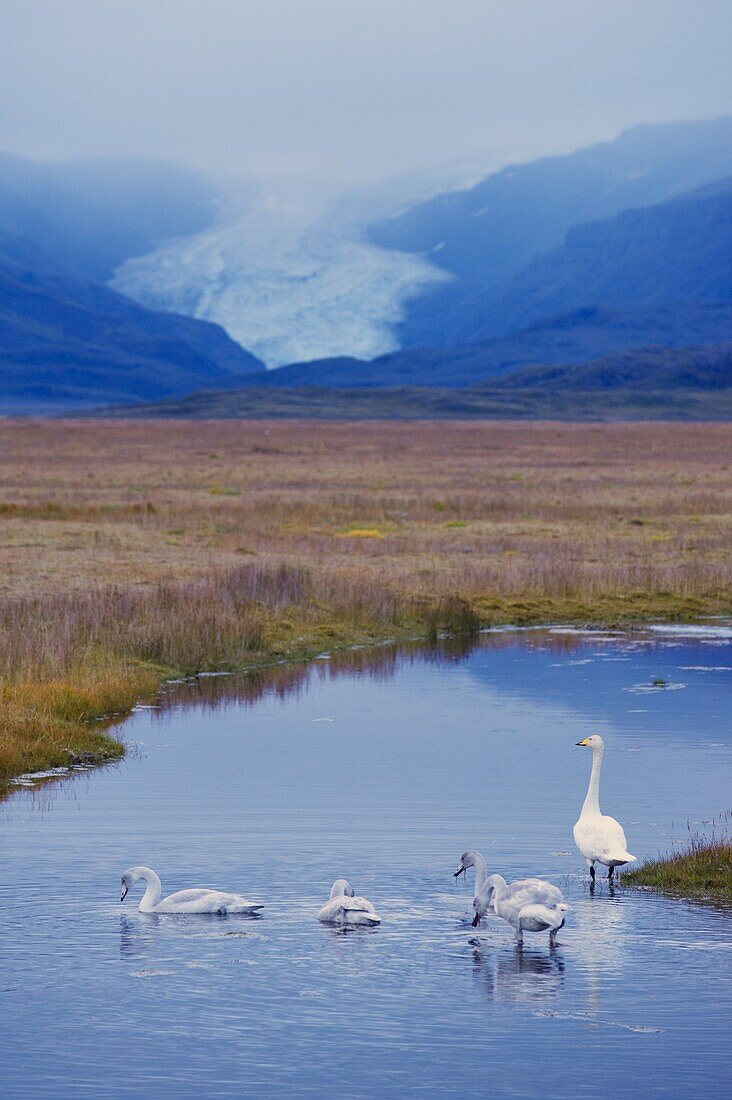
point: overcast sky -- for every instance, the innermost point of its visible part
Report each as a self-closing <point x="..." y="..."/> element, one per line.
<point x="355" y="90"/>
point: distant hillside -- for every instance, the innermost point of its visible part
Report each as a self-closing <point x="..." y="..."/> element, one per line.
<point x="65" y="340"/>
<point x="703" y="368"/>
<point x="689" y="383"/>
<point x="677" y="251"/>
<point x="573" y="338"/>
<point x="485" y="235"/>
<point x="86" y="217"/>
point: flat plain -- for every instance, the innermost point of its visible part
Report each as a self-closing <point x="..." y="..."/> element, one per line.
<point x="134" y="549"/>
<point x="486" y="509"/>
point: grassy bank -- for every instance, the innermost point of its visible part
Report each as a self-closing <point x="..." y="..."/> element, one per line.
<point x="131" y="552"/>
<point x="72" y="660"/>
<point x="701" y="869"/>
<point x="69" y="661"/>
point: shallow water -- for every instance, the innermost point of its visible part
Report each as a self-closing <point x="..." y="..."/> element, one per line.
<point x="382" y="766"/>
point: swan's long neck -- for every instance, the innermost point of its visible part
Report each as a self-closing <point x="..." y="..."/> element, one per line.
<point x="499" y="887"/>
<point x="341" y="888"/>
<point x="481" y="871"/>
<point x="153" y="891"/>
<point x="591" y="804"/>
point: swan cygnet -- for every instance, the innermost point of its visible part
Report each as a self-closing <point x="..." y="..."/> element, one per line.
<point x="599" y="838"/>
<point x="529" y="905"/>
<point x="184" y="901"/>
<point x="344" y="908"/>
<point x="542" y="918"/>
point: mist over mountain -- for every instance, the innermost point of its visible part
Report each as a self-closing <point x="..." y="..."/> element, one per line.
<point x="291" y="275"/>
<point x="289" y="272"/>
<point x="86" y="217"/>
<point x="296" y="275"/>
<point x="67" y="339"/>
<point x="485" y="235"/>
<point x="657" y="275"/>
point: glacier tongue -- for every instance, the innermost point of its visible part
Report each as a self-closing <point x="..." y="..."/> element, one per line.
<point x="288" y="281"/>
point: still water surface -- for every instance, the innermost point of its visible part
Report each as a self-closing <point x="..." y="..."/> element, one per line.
<point x="382" y="766"/>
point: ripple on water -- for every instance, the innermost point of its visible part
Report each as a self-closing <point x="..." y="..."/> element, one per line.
<point x="429" y="757"/>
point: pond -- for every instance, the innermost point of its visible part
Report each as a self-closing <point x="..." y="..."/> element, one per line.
<point x="382" y="766"/>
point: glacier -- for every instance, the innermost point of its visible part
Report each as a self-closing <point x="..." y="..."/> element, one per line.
<point x="289" y="276"/>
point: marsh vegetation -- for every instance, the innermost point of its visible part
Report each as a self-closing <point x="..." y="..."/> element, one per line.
<point x="699" y="868"/>
<point x="134" y="551"/>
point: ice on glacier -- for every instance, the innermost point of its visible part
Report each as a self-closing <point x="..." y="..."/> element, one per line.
<point x="289" y="277"/>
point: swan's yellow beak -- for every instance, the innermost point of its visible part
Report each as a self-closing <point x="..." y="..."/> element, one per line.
<point x="585" y="741"/>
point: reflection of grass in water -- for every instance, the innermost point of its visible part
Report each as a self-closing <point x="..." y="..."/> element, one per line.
<point x="70" y="659"/>
<point x="701" y="868"/>
<point x="445" y="527"/>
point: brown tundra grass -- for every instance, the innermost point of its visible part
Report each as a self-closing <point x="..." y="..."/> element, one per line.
<point x="132" y="550"/>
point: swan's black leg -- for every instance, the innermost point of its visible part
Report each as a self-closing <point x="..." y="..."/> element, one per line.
<point x="610" y="874"/>
<point x="592" y="872"/>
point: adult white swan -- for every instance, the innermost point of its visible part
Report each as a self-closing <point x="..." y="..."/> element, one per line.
<point x="599" y="838"/>
<point x="529" y="905"/>
<point x="184" y="901"/>
<point x="344" y="907"/>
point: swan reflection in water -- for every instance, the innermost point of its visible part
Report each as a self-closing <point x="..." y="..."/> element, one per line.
<point x="517" y="976"/>
<point x="135" y="935"/>
<point x="138" y="933"/>
<point x="598" y="955"/>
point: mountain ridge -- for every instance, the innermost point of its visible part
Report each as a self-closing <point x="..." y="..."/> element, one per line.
<point x="485" y="234"/>
<point x="678" y="250"/>
<point x="88" y="216"/>
<point x="66" y="340"/>
<point x="576" y="337"/>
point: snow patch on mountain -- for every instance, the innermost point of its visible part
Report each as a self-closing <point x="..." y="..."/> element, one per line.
<point x="287" y="278"/>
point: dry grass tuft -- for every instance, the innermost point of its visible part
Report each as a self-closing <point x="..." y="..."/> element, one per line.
<point x="701" y="869"/>
<point x="129" y="549"/>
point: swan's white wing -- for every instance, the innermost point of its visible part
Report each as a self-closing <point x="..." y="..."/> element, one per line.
<point x="585" y="837"/>
<point x="532" y="891"/>
<point x="331" y="911"/>
<point x="592" y="836"/>
<point x="342" y="910"/>
<point x="363" y="903"/>
<point x="601" y="837"/>
<point x="616" y="844"/>
<point x="536" y="918"/>
<point x="181" y="897"/>
<point x="205" y="901"/>
<point x="239" y="904"/>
